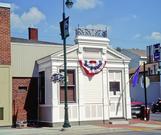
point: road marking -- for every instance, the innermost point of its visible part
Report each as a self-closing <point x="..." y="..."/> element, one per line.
<point x="139" y="129"/>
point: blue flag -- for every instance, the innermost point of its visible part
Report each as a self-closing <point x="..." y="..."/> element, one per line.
<point x="135" y="77"/>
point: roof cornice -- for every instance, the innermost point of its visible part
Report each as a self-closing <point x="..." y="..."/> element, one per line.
<point x="5" y="5"/>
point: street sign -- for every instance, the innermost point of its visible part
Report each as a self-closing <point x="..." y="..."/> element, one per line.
<point x="156" y="51"/>
<point x="142" y="81"/>
<point x="156" y="56"/>
<point x="64" y="27"/>
<point x="153" y="53"/>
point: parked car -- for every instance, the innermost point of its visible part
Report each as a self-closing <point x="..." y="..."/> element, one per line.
<point x="156" y="106"/>
<point x="136" y="108"/>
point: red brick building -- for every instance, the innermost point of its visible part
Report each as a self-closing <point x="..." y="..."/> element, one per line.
<point x="5" y="66"/>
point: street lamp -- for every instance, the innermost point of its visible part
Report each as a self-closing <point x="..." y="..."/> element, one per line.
<point x="64" y="27"/>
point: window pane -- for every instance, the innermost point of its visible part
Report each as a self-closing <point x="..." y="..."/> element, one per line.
<point x="61" y="94"/>
<point x="42" y="87"/>
<point x="114" y="86"/>
<point x="71" y="79"/>
<point x="70" y="94"/>
<point x="1" y="113"/>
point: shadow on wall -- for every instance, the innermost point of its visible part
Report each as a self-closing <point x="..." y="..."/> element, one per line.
<point x="15" y="115"/>
<point x="31" y="103"/>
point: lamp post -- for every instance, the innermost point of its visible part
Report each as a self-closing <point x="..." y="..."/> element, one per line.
<point x="145" y="93"/>
<point x="64" y="26"/>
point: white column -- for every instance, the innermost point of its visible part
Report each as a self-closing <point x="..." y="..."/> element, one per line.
<point x="105" y="95"/>
<point x="55" y="98"/>
<point x="127" y="94"/>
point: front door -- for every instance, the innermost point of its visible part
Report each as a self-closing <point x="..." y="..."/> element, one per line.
<point x="115" y="94"/>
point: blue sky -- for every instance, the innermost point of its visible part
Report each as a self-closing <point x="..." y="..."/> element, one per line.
<point x="130" y="23"/>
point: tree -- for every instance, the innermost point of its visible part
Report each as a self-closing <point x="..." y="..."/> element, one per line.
<point x="118" y="49"/>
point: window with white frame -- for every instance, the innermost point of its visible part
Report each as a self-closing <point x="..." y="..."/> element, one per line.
<point x="71" y="87"/>
<point x="115" y="77"/>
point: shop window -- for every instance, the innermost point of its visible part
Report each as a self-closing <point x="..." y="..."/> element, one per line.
<point x="114" y="87"/>
<point x="148" y="71"/>
<point x="42" y="87"/>
<point x="1" y="113"/>
<point x="71" y="87"/>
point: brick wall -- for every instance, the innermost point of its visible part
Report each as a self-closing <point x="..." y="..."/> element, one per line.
<point x="5" y="47"/>
<point x="24" y="100"/>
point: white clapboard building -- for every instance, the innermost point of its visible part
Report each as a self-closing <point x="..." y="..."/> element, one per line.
<point x="97" y="81"/>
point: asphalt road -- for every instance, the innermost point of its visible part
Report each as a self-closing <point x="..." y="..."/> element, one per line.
<point x="132" y="133"/>
<point x="52" y="132"/>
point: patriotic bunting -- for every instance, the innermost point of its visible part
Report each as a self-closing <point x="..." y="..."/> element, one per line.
<point x="92" y="67"/>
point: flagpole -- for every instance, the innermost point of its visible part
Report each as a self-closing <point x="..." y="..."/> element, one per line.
<point x="145" y="93"/>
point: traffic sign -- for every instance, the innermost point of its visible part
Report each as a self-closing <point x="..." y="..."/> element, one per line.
<point x="142" y="81"/>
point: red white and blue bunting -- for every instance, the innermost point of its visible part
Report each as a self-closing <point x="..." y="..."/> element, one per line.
<point x="92" y="67"/>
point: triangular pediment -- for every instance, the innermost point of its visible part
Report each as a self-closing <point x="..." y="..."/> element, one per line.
<point x="73" y="52"/>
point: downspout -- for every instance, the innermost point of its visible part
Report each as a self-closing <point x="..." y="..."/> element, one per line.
<point x="78" y="95"/>
<point x="103" y="99"/>
<point x="38" y="94"/>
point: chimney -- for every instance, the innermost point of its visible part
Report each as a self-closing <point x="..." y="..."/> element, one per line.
<point x="5" y="43"/>
<point x="33" y="34"/>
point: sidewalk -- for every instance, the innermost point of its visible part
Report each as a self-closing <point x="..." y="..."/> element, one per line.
<point x="145" y="125"/>
<point x="74" y="130"/>
<point x="134" y="125"/>
<point x="137" y="125"/>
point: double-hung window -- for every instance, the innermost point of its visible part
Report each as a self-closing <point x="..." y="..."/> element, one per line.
<point x="71" y="87"/>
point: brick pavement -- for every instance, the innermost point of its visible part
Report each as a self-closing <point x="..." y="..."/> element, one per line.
<point x="136" y="125"/>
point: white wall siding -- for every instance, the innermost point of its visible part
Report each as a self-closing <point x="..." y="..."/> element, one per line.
<point x="91" y="89"/>
<point x="48" y="86"/>
<point x="45" y="113"/>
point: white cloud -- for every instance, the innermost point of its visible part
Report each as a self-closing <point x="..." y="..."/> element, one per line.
<point x="33" y="17"/>
<point x="129" y="18"/>
<point x="16" y="21"/>
<point x="14" y="7"/>
<point x="137" y="36"/>
<point x="155" y="36"/>
<point x="87" y="4"/>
